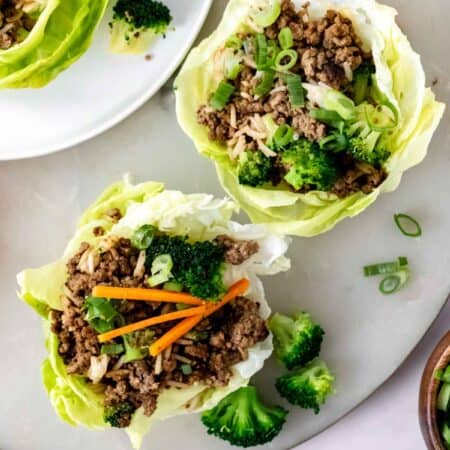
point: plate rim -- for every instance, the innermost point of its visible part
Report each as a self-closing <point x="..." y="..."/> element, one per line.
<point x="115" y="119"/>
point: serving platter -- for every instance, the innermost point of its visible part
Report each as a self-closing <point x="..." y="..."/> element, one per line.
<point x="368" y="335"/>
<point x="98" y="91"/>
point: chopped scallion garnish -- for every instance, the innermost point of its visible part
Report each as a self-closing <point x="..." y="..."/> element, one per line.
<point x="394" y="282"/>
<point x="285" y="38"/>
<point x="234" y="42"/>
<point x="290" y="57"/>
<point x="386" y="268"/>
<point x="186" y="369"/>
<point x="331" y="118"/>
<point x="408" y="225"/>
<point x="283" y="135"/>
<point x="161" y="270"/>
<point x="222" y="95"/>
<point x="112" y="349"/>
<point x="295" y="88"/>
<point x="269" y="15"/>
<point x="266" y="83"/>
<point x="261" y="54"/>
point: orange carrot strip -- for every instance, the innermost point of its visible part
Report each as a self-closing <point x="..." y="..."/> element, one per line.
<point x="155" y="295"/>
<point x="186" y="325"/>
<point x="104" y="337"/>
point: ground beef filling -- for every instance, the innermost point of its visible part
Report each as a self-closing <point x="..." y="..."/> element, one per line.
<point x="209" y="350"/>
<point x="14" y="22"/>
<point x="328" y="52"/>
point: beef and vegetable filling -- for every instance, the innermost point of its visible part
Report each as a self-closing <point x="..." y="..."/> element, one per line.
<point x="17" y="19"/>
<point x="122" y="367"/>
<point x="298" y="106"/>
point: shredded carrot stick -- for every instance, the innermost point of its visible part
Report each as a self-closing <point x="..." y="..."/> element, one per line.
<point x="186" y="325"/>
<point x="104" y="337"/>
<point x="155" y="295"/>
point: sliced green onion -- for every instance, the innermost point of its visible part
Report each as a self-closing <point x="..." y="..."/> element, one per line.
<point x="186" y="369"/>
<point x="285" y="38"/>
<point x="408" y="225"/>
<point x="331" y="118"/>
<point x="112" y="349"/>
<point x="234" y="42"/>
<point x="386" y="268"/>
<point x="161" y="267"/>
<point x="143" y="237"/>
<point x="445" y="432"/>
<point x="222" y="95"/>
<point x="292" y="57"/>
<point x="335" y="142"/>
<point x="394" y="282"/>
<point x="283" y="135"/>
<point x="295" y="88"/>
<point x="380" y="98"/>
<point x="269" y="15"/>
<point x="272" y="52"/>
<point x="443" y="399"/>
<point x="266" y="83"/>
<point x="232" y="65"/>
<point x="261" y="54"/>
<point x="379" y="118"/>
<point x="173" y="286"/>
<point x="340" y="103"/>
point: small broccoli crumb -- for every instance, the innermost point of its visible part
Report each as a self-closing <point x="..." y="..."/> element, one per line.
<point x="297" y="339"/>
<point x="308" y="387"/>
<point x="119" y="415"/>
<point x="243" y="420"/>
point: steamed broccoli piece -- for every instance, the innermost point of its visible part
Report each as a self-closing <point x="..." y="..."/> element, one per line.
<point x="308" y="166"/>
<point x="254" y="168"/>
<point x="297" y="339"/>
<point x="308" y="387"/>
<point x="366" y="149"/>
<point x="119" y="415"/>
<point x="198" y="267"/>
<point x="136" y="23"/>
<point x="242" y="420"/>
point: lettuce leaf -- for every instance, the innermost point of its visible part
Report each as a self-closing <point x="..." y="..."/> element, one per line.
<point x="400" y="77"/>
<point x="200" y="216"/>
<point x="67" y="35"/>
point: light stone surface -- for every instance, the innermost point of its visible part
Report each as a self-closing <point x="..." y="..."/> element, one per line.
<point x="368" y="335"/>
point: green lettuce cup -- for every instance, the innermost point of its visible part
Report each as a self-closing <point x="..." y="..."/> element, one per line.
<point x="62" y="33"/>
<point x="107" y="227"/>
<point x="356" y="119"/>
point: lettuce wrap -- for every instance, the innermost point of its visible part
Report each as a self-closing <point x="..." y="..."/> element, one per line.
<point x="198" y="216"/>
<point x="398" y="79"/>
<point x="61" y="35"/>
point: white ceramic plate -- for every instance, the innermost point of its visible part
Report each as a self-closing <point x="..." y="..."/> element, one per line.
<point x="368" y="335"/>
<point x="98" y="91"/>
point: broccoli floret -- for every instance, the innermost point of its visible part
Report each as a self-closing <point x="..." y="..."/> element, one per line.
<point x="242" y="420"/>
<point x="119" y="415"/>
<point x="136" y="23"/>
<point x="366" y="149"/>
<point x="254" y="168"/>
<point x="308" y="387"/>
<point x="308" y="166"/>
<point x="198" y="267"/>
<point x="297" y="339"/>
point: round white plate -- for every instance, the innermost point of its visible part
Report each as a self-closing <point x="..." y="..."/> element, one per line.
<point x="98" y="91"/>
<point x="367" y="335"/>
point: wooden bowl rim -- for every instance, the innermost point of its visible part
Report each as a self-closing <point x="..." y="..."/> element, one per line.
<point x="439" y="359"/>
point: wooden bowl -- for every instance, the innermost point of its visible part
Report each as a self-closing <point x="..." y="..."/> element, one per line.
<point x="429" y="386"/>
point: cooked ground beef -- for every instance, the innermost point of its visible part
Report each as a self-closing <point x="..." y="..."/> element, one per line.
<point x="14" y="22"/>
<point x="236" y="252"/>
<point x="357" y="176"/>
<point x="328" y="52"/>
<point x="209" y="350"/>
